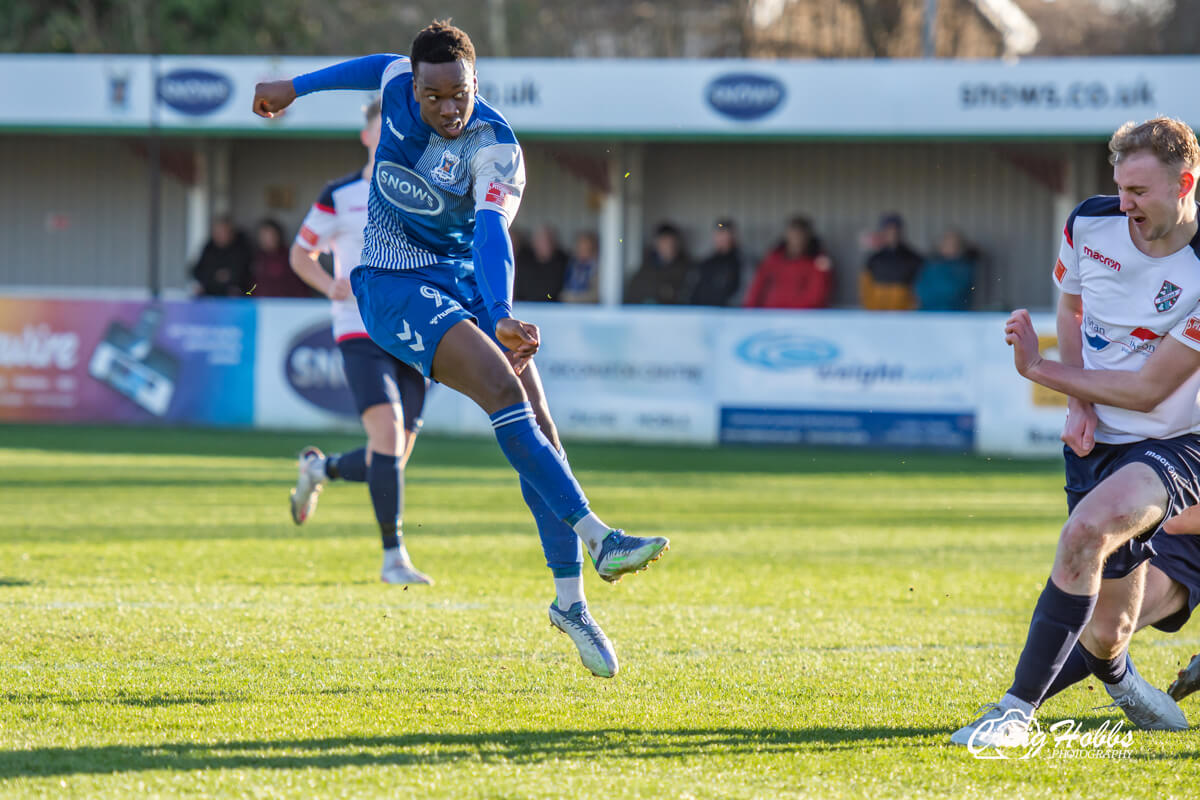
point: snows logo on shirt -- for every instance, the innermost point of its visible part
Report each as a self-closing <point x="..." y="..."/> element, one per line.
<point x="1167" y="296"/>
<point x="407" y="190"/>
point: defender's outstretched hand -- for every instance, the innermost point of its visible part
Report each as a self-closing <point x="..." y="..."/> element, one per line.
<point x="1019" y="333"/>
<point x="271" y="97"/>
<point x="522" y="340"/>
<point x="1185" y="522"/>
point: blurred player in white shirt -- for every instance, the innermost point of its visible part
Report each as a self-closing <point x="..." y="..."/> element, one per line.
<point x="389" y="394"/>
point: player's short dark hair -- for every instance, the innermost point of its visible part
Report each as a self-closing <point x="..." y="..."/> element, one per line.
<point x="1172" y="141"/>
<point x="372" y="111"/>
<point x="441" y="43"/>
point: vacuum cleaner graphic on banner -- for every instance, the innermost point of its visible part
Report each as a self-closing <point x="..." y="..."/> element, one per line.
<point x="127" y="360"/>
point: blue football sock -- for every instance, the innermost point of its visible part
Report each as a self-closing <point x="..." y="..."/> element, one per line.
<point x="351" y="466"/>
<point x="1074" y="670"/>
<point x="532" y="455"/>
<point x="385" y="480"/>
<point x="1058" y="619"/>
<point x="564" y="555"/>
<point x="1109" y="670"/>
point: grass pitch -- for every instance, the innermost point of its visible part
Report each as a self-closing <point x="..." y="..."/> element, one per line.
<point x="821" y="624"/>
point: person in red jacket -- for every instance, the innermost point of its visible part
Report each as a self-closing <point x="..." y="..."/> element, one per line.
<point x="796" y="274"/>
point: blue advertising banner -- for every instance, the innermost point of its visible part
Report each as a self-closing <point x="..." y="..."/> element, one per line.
<point x="129" y="362"/>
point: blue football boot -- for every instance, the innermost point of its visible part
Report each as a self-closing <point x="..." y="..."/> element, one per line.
<point x="621" y="554"/>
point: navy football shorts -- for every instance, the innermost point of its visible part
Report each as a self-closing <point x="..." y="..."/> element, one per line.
<point x="375" y="377"/>
<point x="1177" y="463"/>
<point x="1178" y="557"/>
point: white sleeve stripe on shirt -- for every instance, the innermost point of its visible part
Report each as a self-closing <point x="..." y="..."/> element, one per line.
<point x="398" y="67"/>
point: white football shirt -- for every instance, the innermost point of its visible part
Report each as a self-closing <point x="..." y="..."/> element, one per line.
<point x="1131" y="301"/>
<point x="335" y="224"/>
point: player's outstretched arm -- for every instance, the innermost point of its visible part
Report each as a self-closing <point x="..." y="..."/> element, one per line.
<point x="271" y="97"/>
<point x="1165" y="371"/>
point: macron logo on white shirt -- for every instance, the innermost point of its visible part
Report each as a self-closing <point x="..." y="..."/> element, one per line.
<point x="392" y="128"/>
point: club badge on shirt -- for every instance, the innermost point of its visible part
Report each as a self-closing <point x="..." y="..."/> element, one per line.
<point x="1167" y="295"/>
<point x="444" y="173"/>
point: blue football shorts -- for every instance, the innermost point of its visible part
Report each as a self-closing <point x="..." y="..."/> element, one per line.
<point x="408" y="311"/>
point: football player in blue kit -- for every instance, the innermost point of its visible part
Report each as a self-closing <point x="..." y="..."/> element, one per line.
<point x="434" y="288"/>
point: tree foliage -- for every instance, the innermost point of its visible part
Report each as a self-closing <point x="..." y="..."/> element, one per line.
<point x="562" y="28"/>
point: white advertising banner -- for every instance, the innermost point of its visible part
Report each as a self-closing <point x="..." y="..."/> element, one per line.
<point x="609" y="374"/>
<point x="633" y="374"/>
<point x="298" y="377"/>
<point x="1016" y="417"/>
<point x="65" y="91"/>
<point x="702" y="376"/>
<point x="854" y="378"/>
<point x="715" y="97"/>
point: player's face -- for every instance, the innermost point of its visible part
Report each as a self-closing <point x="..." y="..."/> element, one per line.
<point x="446" y="93"/>
<point x="1149" y="194"/>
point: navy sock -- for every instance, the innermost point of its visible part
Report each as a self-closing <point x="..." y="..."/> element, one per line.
<point x="1108" y="670"/>
<point x="1058" y="619"/>
<point x="532" y="455"/>
<point x="385" y="480"/>
<point x="1074" y="670"/>
<point x="562" y="548"/>
<point x="351" y="466"/>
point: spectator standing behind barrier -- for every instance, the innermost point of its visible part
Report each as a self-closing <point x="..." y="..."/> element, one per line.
<point x="541" y="268"/>
<point x="272" y="271"/>
<point x="582" y="282"/>
<point x="223" y="269"/>
<point x="714" y="281"/>
<point x="663" y="276"/>
<point x="886" y="283"/>
<point x="947" y="281"/>
<point x="795" y="274"/>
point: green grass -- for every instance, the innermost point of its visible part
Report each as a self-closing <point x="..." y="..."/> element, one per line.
<point x="821" y="624"/>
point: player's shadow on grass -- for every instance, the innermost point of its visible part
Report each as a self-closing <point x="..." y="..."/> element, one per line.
<point x="448" y="748"/>
<point x="14" y="582"/>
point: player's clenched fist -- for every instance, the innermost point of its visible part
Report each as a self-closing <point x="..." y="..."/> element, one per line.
<point x="521" y="338"/>
<point x="1019" y="333"/>
<point x="1079" y="430"/>
<point x="271" y="97"/>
